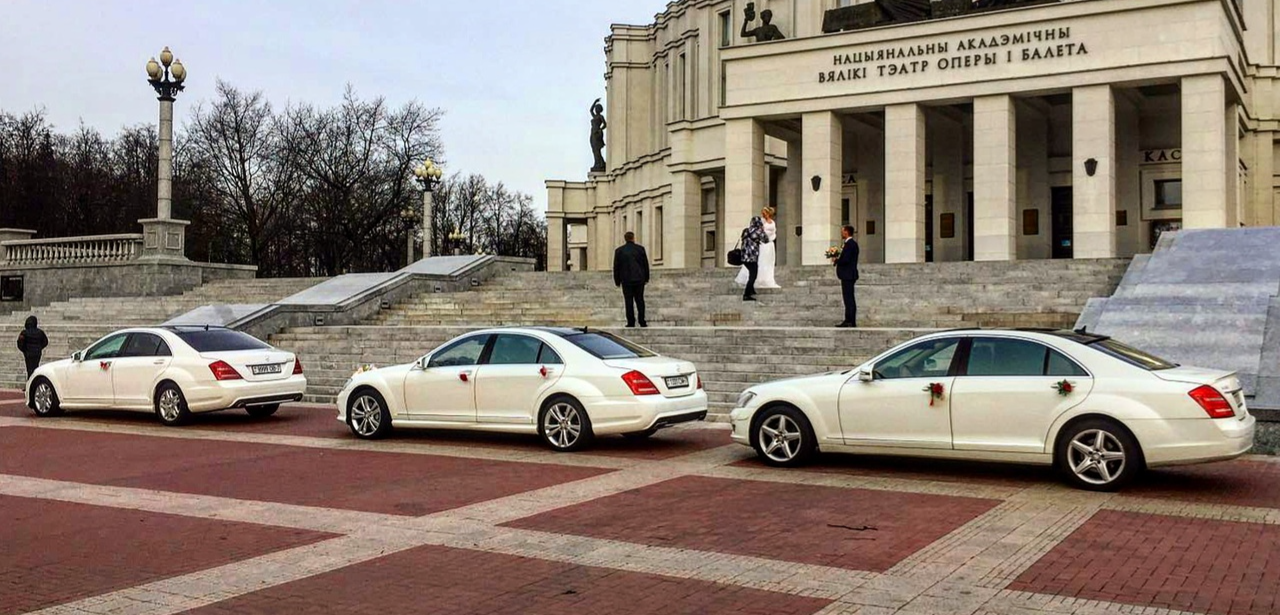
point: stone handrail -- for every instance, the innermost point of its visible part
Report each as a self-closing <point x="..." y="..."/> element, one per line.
<point x="92" y="249"/>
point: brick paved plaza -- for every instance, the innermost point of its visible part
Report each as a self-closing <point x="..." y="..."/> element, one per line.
<point x="111" y="513"/>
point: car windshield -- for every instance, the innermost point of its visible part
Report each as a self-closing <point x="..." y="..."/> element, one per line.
<point x="220" y="340"/>
<point x="604" y="345"/>
<point x="1131" y="355"/>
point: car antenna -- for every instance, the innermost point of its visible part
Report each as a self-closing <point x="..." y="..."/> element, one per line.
<point x="1083" y="330"/>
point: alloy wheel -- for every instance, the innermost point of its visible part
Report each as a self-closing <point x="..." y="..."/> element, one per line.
<point x="1096" y="457"/>
<point x="562" y="425"/>
<point x="170" y="405"/>
<point x="43" y="398"/>
<point x="780" y="438"/>
<point x="366" y="416"/>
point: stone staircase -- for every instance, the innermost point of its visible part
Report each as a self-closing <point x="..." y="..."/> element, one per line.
<point x="699" y="316"/>
<point x="73" y="325"/>
<point x="941" y="295"/>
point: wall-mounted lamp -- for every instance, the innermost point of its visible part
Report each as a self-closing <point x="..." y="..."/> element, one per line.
<point x="799" y="231"/>
<point x="1091" y="166"/>
<point x="817" y="182"/>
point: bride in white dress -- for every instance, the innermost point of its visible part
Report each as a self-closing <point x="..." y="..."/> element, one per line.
<point x="768" y="254"/>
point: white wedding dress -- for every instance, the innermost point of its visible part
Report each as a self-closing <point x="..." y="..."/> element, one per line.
<point x="768" y="258"/>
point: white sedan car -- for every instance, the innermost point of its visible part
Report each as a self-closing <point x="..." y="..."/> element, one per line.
<point x="172" y="371"/>
<point x="1097" y="409"/>
<point x="566" y="385"/>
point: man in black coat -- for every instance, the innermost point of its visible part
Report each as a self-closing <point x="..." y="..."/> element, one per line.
<point x="847" y="271"/>
<point x="631" y="273"/>
<point x="31" y="343"/>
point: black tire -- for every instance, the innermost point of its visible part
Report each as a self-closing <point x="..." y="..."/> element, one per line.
<point x="171" y="405"/>
<point x="564" y="425"/>
<point x="368" y="416"/>
<point x="1098" y="455"/>
<point x="262" y="412"/>
<point x="783" y="437"/>
<point x="640" y="436"/>
<point x="44" y="399"/>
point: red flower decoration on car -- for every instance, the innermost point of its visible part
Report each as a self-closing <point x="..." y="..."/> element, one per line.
<point x="935" y="391"/>
<point x="1065" y="388"/>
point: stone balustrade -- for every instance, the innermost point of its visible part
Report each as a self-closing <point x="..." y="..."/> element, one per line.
<point x="72" y="250"/>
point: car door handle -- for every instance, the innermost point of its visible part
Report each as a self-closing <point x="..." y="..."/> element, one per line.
<point x="546" y="371"/>
<point x="158" y="362"/>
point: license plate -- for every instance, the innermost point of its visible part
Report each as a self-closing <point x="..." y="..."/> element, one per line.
<point x="677" y="382"/>
<point x="262" y="370"/>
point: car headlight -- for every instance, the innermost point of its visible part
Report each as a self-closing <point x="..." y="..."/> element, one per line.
<point x="745" y="398"/>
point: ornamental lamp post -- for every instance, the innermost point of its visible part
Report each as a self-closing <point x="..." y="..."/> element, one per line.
<point x="164" y="236"/>
<point x="456" y="238"/>
<point x="428" y="175"/>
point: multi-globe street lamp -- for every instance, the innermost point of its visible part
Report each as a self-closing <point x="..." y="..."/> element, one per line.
<point x="456" y="239"/>
<point x="166" y="76"/>
<point x="428" y="175"/>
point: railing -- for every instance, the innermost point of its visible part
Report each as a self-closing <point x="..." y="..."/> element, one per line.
<point x="72" y="250"/>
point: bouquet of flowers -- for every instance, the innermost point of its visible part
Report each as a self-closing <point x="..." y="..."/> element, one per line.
<point x="935" y="390"/>
<point x="834" y="253"/>
<point x="362" y="369"/>
<point x="1065" y="388"/>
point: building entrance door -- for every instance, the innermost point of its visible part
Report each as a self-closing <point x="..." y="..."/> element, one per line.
<point x="928" y="228"/>
<point x="1062" y="219"/>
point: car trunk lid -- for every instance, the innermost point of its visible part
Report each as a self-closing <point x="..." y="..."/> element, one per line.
<point x="264" y="365"/>
<point x="673" y="377"/>
<point x="1227" y="383"/>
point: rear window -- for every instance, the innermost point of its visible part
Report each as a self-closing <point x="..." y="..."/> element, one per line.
<point x="1132" y="356"/>
<point x="220" y="340"/>
<point x="604" y="345"/>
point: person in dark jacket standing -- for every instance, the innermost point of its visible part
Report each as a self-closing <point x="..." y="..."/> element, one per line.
<point x="32" y="342"/>
<point x="847" y="271"/>
<point x="752" y="238"/>
<point x="631" y="273"/>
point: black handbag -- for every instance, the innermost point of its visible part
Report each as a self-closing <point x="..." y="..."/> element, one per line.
<point x="735" y="255"/>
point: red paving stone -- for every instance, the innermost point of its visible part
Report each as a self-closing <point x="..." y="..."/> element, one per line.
<point x="57" y="552"/>
<point x="391" y="483"/>
<point x="940" y="470"/>
<point x="1202" y="565"/>
<point x="797" y="523"/>
<point x="1238" y="483"/>
<point x="456" y="581"/>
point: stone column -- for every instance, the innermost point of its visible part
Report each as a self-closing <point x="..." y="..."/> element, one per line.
<point x="744" y="171"/>
<point x="904" y="183"/>
<point x="428" y="206"/>
<point x="164" y="205"/>
<point x="684" y="219"/>
<point x="1205" y="164"/>
<point x="995" y="179"/>
<point x="162" y="236"/>
<point x="792" y="214"/>
<point x="1093" y="137"/>
<point x="555" y="242"/>
<point x="823" y="152"/>
<point x="1263" y="206"/>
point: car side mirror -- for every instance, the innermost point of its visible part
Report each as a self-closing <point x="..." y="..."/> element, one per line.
<point x="78" y="356"/>
<point x="867" y="374"/>
<point x="421" y="364"/>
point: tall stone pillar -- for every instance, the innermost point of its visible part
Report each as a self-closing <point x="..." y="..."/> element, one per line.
<point x="792" y="214"/>
<point x="684" y="222"/>
<point x="555" y="242"/>
<point x="904" y="183"/>
<point x="1205" y="162"/>
<point x="1093" y="142"/>
<point x="823" y="152"/>
<point x="1263" y="198"/>
<point x="605" y="241"/>
<point x="745" y="185"/>
<point x="162" y="236"/>
<point x="995" y="178"/>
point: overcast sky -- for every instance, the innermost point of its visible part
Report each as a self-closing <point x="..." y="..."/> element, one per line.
<point x="515" y="77"/>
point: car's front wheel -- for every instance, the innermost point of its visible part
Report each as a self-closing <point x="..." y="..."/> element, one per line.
<point x="262" y="412"/>
<point x="1098" y="455"/>
<point x="368" y="416"/>
<point x="783" y="437"/>
<point x="44" y="400"/>
<point x="171" y="405"/>
<point x="564" y="425"/>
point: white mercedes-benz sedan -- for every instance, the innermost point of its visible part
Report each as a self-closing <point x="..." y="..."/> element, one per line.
<point x="172" y="371"/>
<point x="1095" y="408"/>
<point x="566" y="385"/>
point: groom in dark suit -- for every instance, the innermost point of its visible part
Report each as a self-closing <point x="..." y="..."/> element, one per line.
<point x="847" y="271"/>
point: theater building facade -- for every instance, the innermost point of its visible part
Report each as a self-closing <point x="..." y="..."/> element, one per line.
<point x="942" y="131"/>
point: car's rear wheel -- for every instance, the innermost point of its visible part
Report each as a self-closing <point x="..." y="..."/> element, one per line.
<point x="1099" y="455"/>
<point x="44" y="399"/>
<point x="262" y="412"/>
<point x="564" y="425"/>
<point x="783" y="437"/>
<point x="171" y="405"/>
<point x="368" y="416"/>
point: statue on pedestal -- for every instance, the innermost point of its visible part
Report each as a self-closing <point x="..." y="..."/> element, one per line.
<point x="766" y="32"/>
<point x="598" y="124"/>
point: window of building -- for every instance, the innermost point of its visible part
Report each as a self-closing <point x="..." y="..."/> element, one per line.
<point x="726" y="28"/>
<point x="709" y="241"/>
<point x="724" y="86"/>
<point x="682" y="107"/>
<point x="1168" y="193"/>
<point x="640" y="234"/>
<point x="1031" y="222"/>
<point x="657" y="233"/>
<point x="708" y="200"/>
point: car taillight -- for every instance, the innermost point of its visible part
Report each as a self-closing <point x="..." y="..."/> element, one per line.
<point x="297" y="366"/>
<point x="699" y="382"/>
<point x="1213" y="402"/>
<point x="640" y="384"/>
<point x="222" y="371"/>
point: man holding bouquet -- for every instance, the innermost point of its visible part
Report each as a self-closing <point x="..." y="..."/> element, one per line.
<point x="846" y="262"/>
